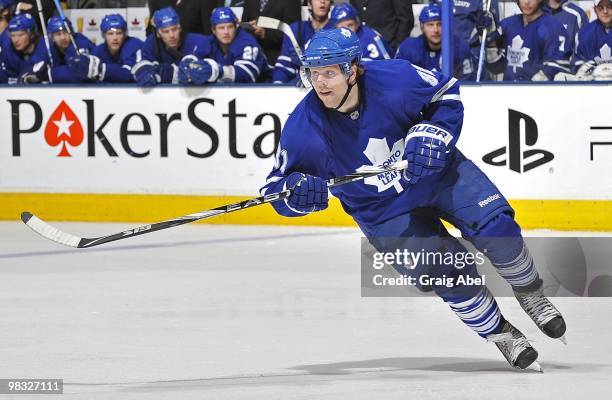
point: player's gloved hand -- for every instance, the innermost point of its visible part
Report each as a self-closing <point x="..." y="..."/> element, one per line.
<point x="86" y="67"/>
<point x="39" y="73"/>
<point x="425" y="151"/>
<point x="194" y="71"/>
<point x="309" y="193"/>
<point x="585" y="72"/>
<point x="603" y="72"/>
<point x="146" y="73"/>
<point x="539" y="76"/>
<point x="486" y="20"/>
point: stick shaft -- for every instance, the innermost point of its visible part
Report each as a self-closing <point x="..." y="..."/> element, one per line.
<point x="48" y="231"/>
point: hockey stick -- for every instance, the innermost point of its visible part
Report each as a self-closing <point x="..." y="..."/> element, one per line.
<point x="272" y="23"/>
<point x="47" y="231"/>
<point x="485" y="7"/>
<point x="43" y="24"/>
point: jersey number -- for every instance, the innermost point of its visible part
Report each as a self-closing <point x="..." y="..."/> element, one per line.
<point x="561" y="43"/>
<point x="250" y="53"/>
<point x="374" y="53"/>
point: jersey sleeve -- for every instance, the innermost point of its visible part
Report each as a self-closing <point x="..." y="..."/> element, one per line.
<point x="295" y="153"/>
<point x="287" y="66"/>
<point x="584" y="48"/>
<point x="121" y="72"/>
<point x="438" y="102"/>
<point x="249" y="59"/>
<point x="557" y="50"/>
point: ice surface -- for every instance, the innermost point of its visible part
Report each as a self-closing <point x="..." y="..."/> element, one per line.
<point x="222" y="312"/>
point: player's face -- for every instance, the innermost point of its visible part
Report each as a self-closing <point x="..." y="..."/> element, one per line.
<point x="529" y="7"/>
<point x="114" y="39"/>
<point x="329" y="83"/>
<point x="349" y="23"/>
<point x="170" y="35"/>
<point x="225" y="33"/>
<point x="604" y="12"/>
<point x="433" y="32"/>
<point x="20" y="40"/>
<point x="5" y="16"/>
<point x="61" y="39"/>
<point x="320" y="8"/>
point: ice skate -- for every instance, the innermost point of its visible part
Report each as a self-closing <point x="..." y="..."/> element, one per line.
<point x="543" y="313"/>
<point x="516" y="349"/>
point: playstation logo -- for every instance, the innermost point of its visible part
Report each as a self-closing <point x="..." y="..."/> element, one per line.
<point x="517" y="160"/>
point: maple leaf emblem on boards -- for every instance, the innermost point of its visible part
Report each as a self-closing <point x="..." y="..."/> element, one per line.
<point x="379" y="154"/>
<point x="517" y="55"/>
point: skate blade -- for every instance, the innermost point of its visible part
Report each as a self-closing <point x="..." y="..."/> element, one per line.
<point x="535" y="366"/>
<point x="563" y="340"/>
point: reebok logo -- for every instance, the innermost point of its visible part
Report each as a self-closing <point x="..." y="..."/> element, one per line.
<point x="489" y="199"/>
<point x="518" y="160"/>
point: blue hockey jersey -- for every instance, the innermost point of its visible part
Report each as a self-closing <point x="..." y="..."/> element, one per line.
<point x="571" y="16"/>
<point x="60" y="72"/>
<point x="418" y="53"/>
<point x="245" y="56"/>
<point x="323" y="142"/>
<point x="373" y="46"/>
<point x="13" y="64"/>
<point x="542" y="45"/>
<point x="167" y="60"/>
<point x="287" y="65"/>
<point x="594" y="45"/>
<point x="118" y="68"/>
<point x="466" y="13"/>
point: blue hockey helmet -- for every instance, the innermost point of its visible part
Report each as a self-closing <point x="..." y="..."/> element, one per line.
<point x="166" y="17"/>
<point x="222" y="15"/>
<point x="56" y="24"/>
<point x="330" y="47"/>
<point x="429" y="13"/>
<point x="343" y="12"/>
<point x="4" y="4"/>
<point x="22" y="22"/>
<point x="113" y="21"/>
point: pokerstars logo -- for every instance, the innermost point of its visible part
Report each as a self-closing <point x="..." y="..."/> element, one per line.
<point x="84" y="128"/>
<point x="517" y="159"/>
<point x="63" y="128"/>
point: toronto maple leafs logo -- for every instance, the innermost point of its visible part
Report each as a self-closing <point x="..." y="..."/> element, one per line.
<point x="606" y="55"/>
<point x="517" y="55"/>
<point x="379" y="155"/>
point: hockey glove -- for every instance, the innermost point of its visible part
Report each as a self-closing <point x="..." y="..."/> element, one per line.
<point x="197" y="72"/>
<point x="309" y="193"/>
<point x="426" y="151"/>
<point x="486" y="21"/>
<point x="146" y="73"/>
<point x="86" y="67"/>
<point x="39" y="73"/>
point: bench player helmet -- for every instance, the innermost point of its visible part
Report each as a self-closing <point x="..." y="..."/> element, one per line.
<point x="113" y="21"/>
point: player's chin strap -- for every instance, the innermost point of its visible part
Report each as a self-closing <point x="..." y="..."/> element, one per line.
<point x="348" y="91"/>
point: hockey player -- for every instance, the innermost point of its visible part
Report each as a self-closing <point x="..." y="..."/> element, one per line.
<point x="426" y="49"/>
<point x="171" y="56"/>
<point x="235" y="54"/>
<point x="529" y="46"/>
<point x="287" y="65"/>
<point x="352" y="117"/>
<point x="60" y="69"/>
<point x="373" y="46"/>
<point x="20" y="44"/>
<point x="112" y="60"/>
<point x="593" y="57"/>
<point x="470" y="19"/>
<point x="571" y="16"/>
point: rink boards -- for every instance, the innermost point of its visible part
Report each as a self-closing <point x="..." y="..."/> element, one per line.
<point x="126" y="154"/>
